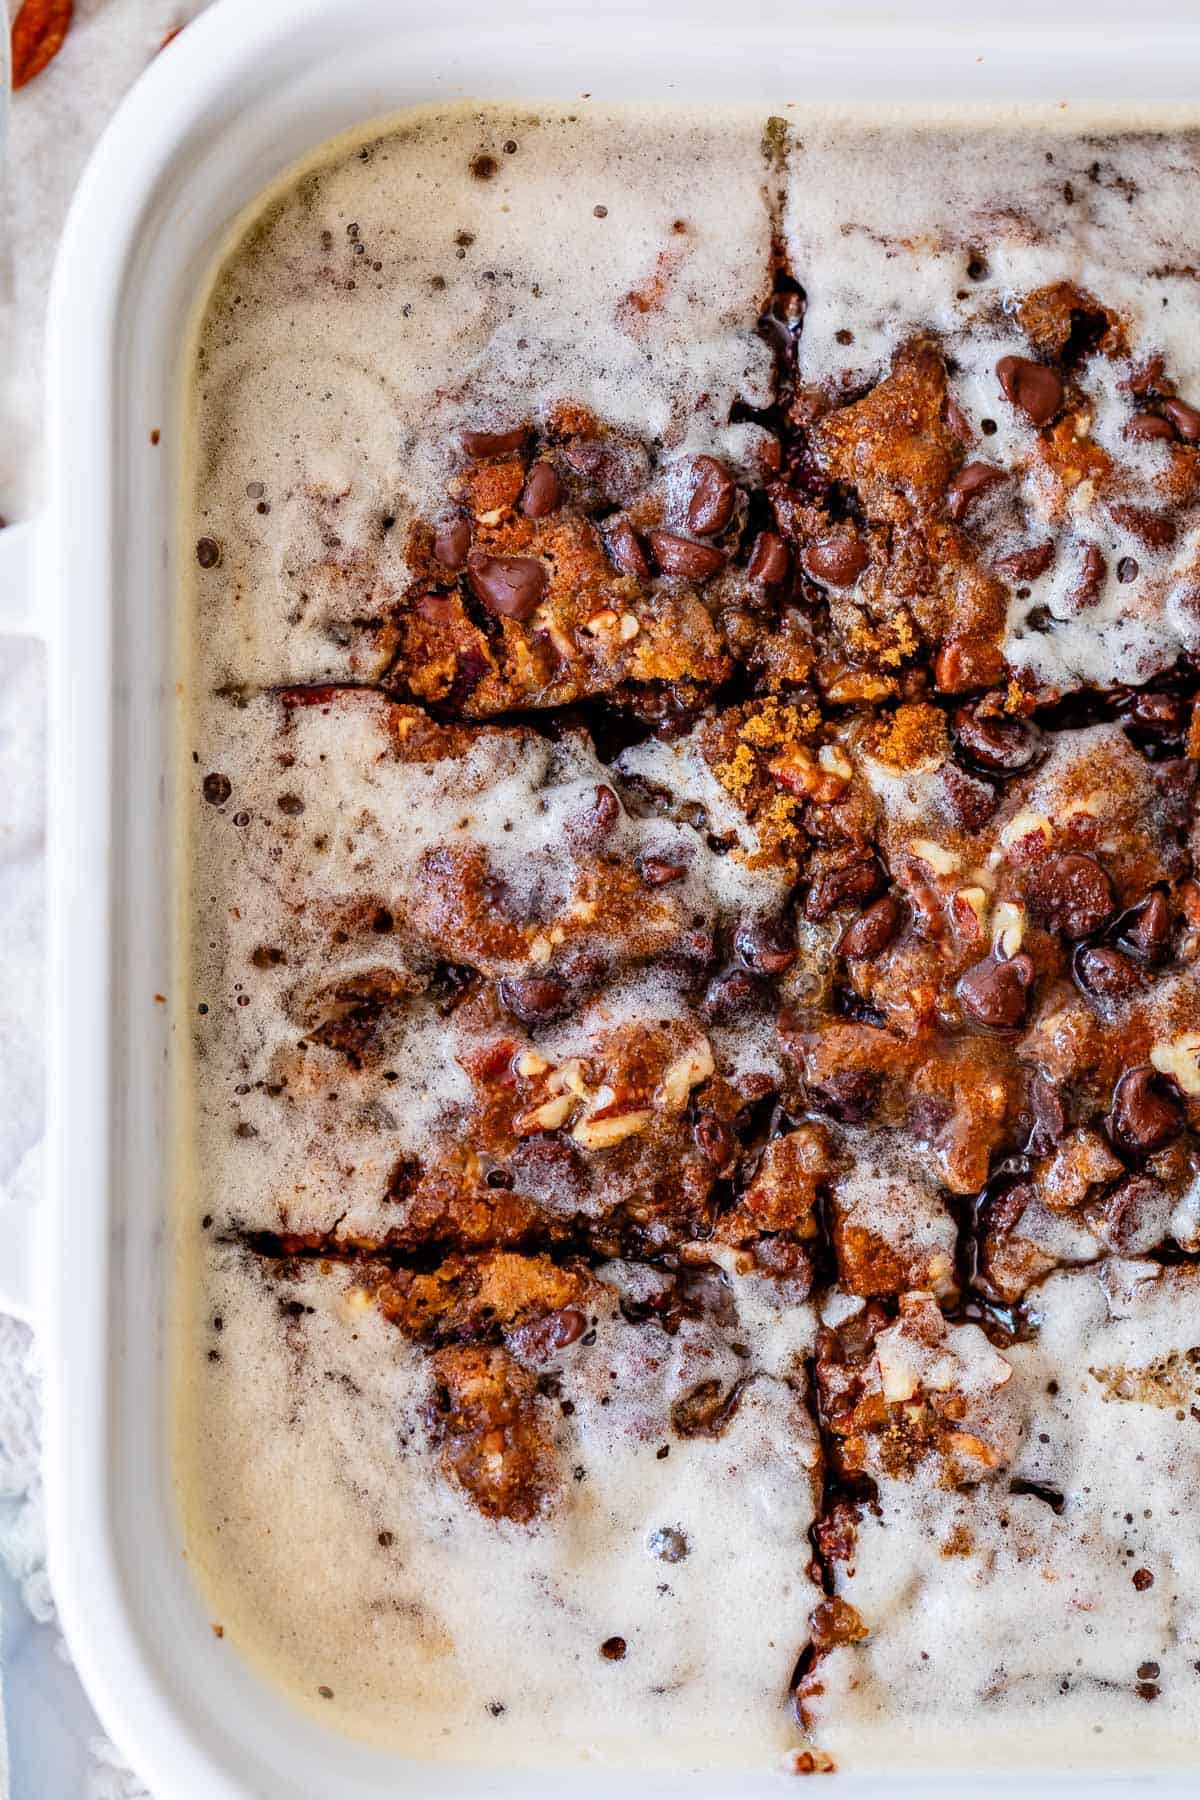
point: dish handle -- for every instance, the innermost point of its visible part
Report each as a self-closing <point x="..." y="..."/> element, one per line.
<point x="19" y="616"/>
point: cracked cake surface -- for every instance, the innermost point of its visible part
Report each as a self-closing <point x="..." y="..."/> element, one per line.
<point x="691" y="1208"/>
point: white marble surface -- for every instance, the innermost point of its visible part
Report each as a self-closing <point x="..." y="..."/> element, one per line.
<point x="55" y="1749"/>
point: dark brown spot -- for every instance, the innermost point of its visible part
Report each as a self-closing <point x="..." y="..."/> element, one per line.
<point x="659" y="871"/>
<point x="495" y="443"/>
<point x="208" y="552"/>
<point x="1031" y="387"/>
<point x="543" y="491"/>
<point x="624" y="548"/>
<point x="1147" y="1112"/>
<point x="613" y="1649"/>
<point x="1026" y="565"/>
<point x="1146" y="426"/>
<point x="710" y="507"/>
<point x="452" y="543"/>
<point x="838" y="560"/>
<point x="1106" y="973"/>
<point x="995" y="992"/>
<point x="1071" y="893"/>
<point x="217" y="789"/>
<point x="766" y="947"/>
<point x="995" y="742"/>
<point x="534" y="998"/>
<point x="768" y="560"/>
<point x="1185" y="419"/>
<point x="972" y="480"/>
<point x="680" y="556"/>
<point x="873" y="930"/>
<point x="510" y="586"/>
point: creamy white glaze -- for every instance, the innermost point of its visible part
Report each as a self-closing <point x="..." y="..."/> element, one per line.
<point x="305" y="1440"/>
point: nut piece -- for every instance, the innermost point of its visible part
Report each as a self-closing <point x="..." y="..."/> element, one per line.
<point x="969" y="909"/>
<point x="1008" y="927"/>
<point x="685" y="1073"/>
<point x="939" y="859"/>
<point x="797" y="770"/>
<point x="601" y="1134"/>
<point x="549" y="1116"/>
<point x="1025" y="825"/>
<point x="1180" y="1059"/>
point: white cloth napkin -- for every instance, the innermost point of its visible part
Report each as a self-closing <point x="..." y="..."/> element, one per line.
<point x="54" y="123"/>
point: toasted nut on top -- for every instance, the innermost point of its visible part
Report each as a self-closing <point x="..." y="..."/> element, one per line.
<point x="970" y="910"/>
<point x="685" y="1073"/>
<point x="797" y="770"/>
<point x="1180" y="1059"/>
<point x="940" y="860"/>
<point x="601" y="1134"/>
<point x="1008" y="927"/>
<point x="1024" y="825"/>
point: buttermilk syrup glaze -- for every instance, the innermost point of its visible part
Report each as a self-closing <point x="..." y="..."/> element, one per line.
<point x="691" y="1201"/>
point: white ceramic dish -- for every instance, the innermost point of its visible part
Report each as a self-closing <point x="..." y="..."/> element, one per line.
<point x="241" y="94"/>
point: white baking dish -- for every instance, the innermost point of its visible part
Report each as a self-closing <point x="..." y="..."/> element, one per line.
<point x="242" y="93"/>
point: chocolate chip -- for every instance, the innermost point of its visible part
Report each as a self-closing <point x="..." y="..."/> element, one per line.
<point x="680" y="556"/>
<point x="970" y="803"/>
<point x="1154" y="529"/>
<point x="624" y="548"/>
<point x="208" y="552"/>
<point x="1185" y="419"/>
<point x="1133" y="1215"/>
<point x="1071" y="893"/>
<point x="606" y="810"/>
<point x="437" y="609"/>
<point x="996" y="742"/>
<point x="1085" y="589"/>
<point x="730" y="995"/>
<point x="538" y="1339"/>
<point x="1127" y="570"/>
<point x="452" y="542"/>
<point x="495" y="443"/>
<point x="850" y="1095"/>
<point x="768" y="560"/>
<point x="972" y="480"/>
<point x="534" y="998"/>
<point x="1026" y="565"/>
<point x="872" y="931"/>
<point x="671" y="1546"/>
<point x="1148" y="1671"/>
<point x="543" y="491"/>
<point x="217" y="789"/>
<point x="1031" y="387"/>
<point x="1147" y="1112"/>
<point x="1049" y="1117"/>
<point x="1163" y="715"/>
<point x="1145" y="426"/>
<point x="1146" y="930"/>
<point x="957" y="421"/>
<point x="838" y="560"/>
<point x="710" y="507"/>
<point x="858" y="881"/>
<point x="766" y="947"/>
<point x="1142" y="1579"/>
<point x="291" y="804"/>
<point x="613" y="1649"/>
<point x="715" y="1139"/>
<point x="995" y="992"/>
<point x="659" y="871"/>
<point x="1105" y="973"/>
<point x="511" y="586"/>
